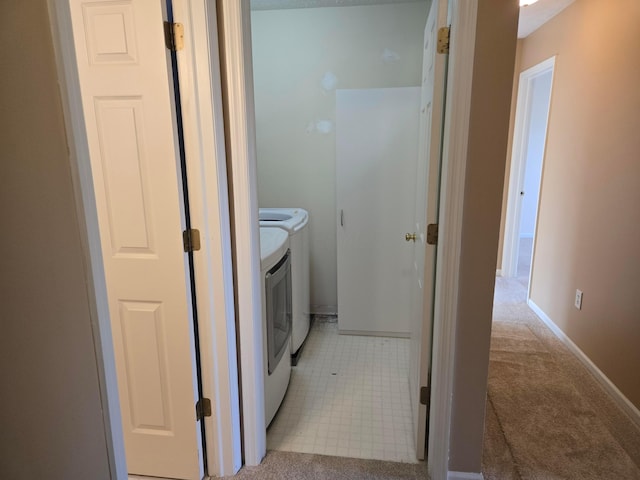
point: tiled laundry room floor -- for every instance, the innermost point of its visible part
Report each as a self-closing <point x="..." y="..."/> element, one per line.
<point x="348" y="396"/>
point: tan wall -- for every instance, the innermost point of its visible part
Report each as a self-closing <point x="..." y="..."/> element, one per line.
<point x="292" y="50"/>
<point x="589" y="218"/>
<point x="491" y="99"/>
<point x="50" y="409"/>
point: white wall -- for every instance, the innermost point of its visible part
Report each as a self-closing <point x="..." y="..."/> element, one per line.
<point x="541" y="89"/>
<point x="364" y="47"/>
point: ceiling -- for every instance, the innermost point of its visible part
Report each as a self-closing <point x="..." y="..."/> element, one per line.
<point x="536" y="15"/>
<point x="531" y="17"/>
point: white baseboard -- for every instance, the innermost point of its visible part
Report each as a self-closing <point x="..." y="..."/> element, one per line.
<point x="465" y="476"/>
<point x="324" y="309"/>
<point x="623" y="402"/>
<point x="371" y="333"/>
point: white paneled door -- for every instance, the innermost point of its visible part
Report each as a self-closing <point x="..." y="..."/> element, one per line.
<point x="129" y="114"/>
<point x="376" y="154"/>
<point x="426" y="212"/>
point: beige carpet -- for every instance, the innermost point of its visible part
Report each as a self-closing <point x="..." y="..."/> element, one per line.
<point x="547" y="417"/>
<point x="304" y="466"/>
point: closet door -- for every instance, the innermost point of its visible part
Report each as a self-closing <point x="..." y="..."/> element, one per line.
<point x="376" y="158"/>
<point x="125" y="83"/>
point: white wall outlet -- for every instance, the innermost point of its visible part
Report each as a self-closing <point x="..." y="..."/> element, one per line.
<point x="578" y="302"/>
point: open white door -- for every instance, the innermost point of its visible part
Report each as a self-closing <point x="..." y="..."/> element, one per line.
<point x="426" y="212"/>
<point x="129" y="116"/>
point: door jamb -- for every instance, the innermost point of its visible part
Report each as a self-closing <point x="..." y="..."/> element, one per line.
<point x="462" y="19"/>
<point x="235" y="22"/>
<point x="204" y="141"/>
<point x="201" y="95"/>
<point x="518" y="164"/>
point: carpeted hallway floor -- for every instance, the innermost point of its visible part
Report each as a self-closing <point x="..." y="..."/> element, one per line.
<point x="305" y="466"/>
<point x="547" y="417"/>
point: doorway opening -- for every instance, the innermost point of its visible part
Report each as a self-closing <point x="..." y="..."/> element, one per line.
<point x="324" y="80"/>
<point x="530" y="133"/>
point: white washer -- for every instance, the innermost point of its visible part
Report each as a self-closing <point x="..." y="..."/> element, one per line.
<point x="295" y="221"/>
<point x="275" y="265"/>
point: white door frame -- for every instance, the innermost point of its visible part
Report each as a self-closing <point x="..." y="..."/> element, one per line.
<point x="462" y="19"/>
<point x="240" y="120"/>
<point x="518" y="165"/>
<point x="201" y="97"/>
<point x="236" y="38"/>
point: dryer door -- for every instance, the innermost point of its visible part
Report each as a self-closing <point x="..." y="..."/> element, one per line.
<point x="278" y="303"/>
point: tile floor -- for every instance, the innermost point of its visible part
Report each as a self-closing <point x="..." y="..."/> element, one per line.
<point x="348" y="396"/>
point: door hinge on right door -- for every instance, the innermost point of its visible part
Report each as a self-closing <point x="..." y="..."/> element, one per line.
<point x="191" y="240"/>
<point x="432" y="234"/>
<point x="425" y="392"/>
<point x="425" y="395"/>
<point x="203" y="408"/>
<point x="444" y="34"/>
<point x="174" y="36"/>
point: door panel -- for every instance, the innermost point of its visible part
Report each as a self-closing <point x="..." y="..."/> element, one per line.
<point x="129" y="116"/>
<point x="376" y="153"/>
<point x="123" y="167"/>
<point x="426" y="212"/>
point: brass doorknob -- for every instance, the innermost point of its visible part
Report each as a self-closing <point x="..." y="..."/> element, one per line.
<point x="410" y="237"/>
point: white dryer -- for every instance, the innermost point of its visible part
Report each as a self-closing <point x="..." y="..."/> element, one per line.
<point x="296" y="222"/>
<point x="275" y="265"/>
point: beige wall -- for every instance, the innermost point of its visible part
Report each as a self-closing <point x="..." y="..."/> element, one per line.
<point x="292" y="50"/>
<point x="589" y="221"/>
<point x="491" y="98"/>
<point x="50" y="409"/>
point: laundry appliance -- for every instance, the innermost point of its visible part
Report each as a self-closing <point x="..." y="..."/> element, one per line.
<point x="276" y="282"/>
<point x="295" y="221"/>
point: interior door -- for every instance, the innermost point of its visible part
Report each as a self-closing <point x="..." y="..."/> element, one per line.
<point x="426" y="212"/>
<point x="129" y="115"/>
<point x="376" y="154"/>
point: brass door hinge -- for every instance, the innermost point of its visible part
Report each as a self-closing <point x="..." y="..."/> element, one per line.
<point x="443" y="39"/>
<point x="203" y="408"/>
<point x="191" y="240"/>
<point x="174" y="36"/>
<point x="432" y="234"/>
<point x="425" y="395"/>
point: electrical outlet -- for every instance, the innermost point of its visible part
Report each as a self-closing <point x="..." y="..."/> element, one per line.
<point x="578" y="302"/>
